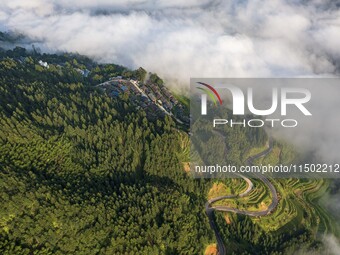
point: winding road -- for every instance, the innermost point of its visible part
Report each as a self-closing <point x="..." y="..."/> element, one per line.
<point x="209" y="208"/>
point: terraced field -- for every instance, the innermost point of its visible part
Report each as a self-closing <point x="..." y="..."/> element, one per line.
<point x="298" y="198"/>
<point x="257" y="200"/>
<point x="298" y="205"/>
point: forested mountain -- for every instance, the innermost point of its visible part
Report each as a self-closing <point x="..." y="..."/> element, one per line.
<point x="82" y="172"/>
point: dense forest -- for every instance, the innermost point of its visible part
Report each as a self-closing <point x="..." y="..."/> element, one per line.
<point x="84" y="173"/>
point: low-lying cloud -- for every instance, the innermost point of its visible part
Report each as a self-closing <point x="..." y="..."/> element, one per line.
<point x="331" y="246"/>
<point x="182" y="39"/>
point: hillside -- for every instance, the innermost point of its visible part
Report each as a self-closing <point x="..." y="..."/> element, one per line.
<point x="85" y="173"/>
<point x="88" y="167"/>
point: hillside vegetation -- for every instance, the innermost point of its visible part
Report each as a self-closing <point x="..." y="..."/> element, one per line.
<point x="82" y="172"/>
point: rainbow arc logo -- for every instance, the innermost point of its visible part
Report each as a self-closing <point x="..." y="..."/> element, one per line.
<point x="211" y="92"/>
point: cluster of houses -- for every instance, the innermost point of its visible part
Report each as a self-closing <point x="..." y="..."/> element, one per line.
<point x="114" y="87"/>
<point x="159" y="95"/>
<point x="154" y="99"/>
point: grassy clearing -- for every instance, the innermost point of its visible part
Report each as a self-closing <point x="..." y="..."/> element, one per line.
<point x="211" y="250"/>
<point x="257" y="200"/>
<point x="296" y="207"/>
<point x="218" y="189"/>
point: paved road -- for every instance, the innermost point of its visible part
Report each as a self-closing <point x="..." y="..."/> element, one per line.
<point x="209" y="209"/>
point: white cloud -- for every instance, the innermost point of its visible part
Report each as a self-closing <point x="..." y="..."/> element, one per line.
<point x="195" y="38"/>
<point x="332" y="244"/>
